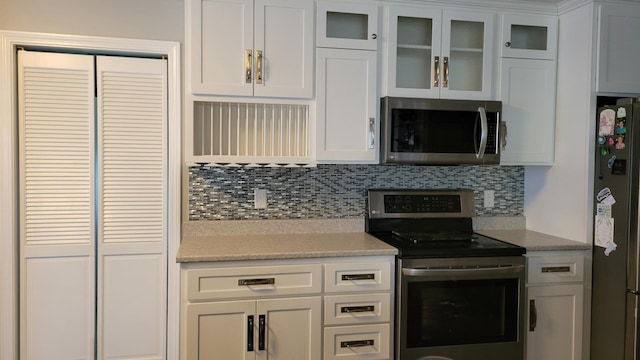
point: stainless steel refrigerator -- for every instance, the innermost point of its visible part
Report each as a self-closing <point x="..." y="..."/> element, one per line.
<point x="614" y="326"/>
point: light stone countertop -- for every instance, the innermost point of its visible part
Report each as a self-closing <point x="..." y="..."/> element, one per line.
<point x="230" y="240"/>
<point x="280" y="246"/>
<point x="535" y="241"/>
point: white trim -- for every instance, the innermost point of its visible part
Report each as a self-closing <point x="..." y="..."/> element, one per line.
<point x="9" y="41"/>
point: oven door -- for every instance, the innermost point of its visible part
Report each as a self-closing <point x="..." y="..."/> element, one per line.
<point x="461" y="308"/>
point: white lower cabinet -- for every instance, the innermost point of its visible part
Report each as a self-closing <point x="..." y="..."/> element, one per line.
<point x="358" y="310"/>
<point x="555" y="297"/>
<point x="274" y="309"/>
<point x="272" y="329"/>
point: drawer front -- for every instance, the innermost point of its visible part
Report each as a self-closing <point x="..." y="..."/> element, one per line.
<point x="357" y="309"/>
<point x="357" y="342"/>
<point x="257" y="281"/>
<point x="555" y="269"/>
<point x="348" y="277"/>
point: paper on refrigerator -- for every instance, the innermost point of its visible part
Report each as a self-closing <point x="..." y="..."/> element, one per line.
<point x="604" y="221"/>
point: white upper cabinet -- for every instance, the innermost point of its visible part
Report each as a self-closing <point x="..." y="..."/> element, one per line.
<point x="251" y="48"/>
<point x="528" y="88"/>
<point x="618" y="49"/>
<point x="530" y="37"/>
<point x="347" y="26"/>
<point x="527" y="92"/>
<point x="436" y="53"/>
<point x="346" y="129"/>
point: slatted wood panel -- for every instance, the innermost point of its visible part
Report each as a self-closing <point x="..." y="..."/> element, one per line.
<point x="245" y="130"/>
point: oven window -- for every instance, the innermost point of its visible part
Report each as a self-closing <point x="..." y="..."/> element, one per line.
<point x="461" y="312"/>
<point x="437" y="131"/>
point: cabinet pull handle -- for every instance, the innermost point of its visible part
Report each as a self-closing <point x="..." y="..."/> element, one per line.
<point x="556" y="269"/>
<point x="445" y="80"/>
<point x="247" y="66"/>
<point x="358" y="277"/>
<point x="250" y="333"/>
<point x="436" y="71"/>
<point x="503" y="134"/>
<point x="372" y="133"/>
<point x="357" y="309"/>
<point x="356" y="343"/>
<point x="259" y="66"/>
<point x="507" y="44"/>
<point x="374" y="36"/>
<point x="533" y="315"/>
<point x="248" y="282"/>
<point x="261" y="332"/>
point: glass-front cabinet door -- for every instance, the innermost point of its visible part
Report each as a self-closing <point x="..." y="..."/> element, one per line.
<point x="529" y="37"/>
<point x="439" y="54"/>
<point x="347" y="26"/>
<point x="413" y="52"/>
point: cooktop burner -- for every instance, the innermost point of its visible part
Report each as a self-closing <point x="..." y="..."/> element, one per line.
<point x="428" y="224"/>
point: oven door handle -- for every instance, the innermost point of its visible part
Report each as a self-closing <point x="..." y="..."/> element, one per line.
<point x="461" y="270"/>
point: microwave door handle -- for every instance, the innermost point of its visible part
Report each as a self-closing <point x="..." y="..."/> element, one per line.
<point x="484" y="133"/>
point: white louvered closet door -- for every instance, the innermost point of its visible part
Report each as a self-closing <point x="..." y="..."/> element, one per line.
<point x="93" y="190"/>
<point x="57" y="232"/>
<point x="132" y="207"/>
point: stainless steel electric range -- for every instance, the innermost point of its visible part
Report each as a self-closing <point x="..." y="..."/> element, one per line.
<point x="459" y="295"/>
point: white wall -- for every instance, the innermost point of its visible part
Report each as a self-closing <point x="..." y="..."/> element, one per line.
<point x="558" y="199"/>
<point x="138" y="19"/>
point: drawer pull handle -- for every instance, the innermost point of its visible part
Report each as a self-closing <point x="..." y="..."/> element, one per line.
<point x="357" y="309"/>
<point x="247" y="282"/>
<point x="358" y="277"/>
<point x="556" y="269"/>
<point x="356" y="343"/>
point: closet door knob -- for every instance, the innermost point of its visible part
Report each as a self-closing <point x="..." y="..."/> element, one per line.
<point x="507" y="44"/>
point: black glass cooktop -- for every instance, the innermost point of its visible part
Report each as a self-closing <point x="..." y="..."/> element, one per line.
<point x="475" y="245"/>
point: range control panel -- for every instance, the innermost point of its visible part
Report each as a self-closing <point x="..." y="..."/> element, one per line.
<point x="420" y="203"/>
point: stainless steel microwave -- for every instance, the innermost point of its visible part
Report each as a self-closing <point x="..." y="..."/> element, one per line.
<point x="440" y="132"/>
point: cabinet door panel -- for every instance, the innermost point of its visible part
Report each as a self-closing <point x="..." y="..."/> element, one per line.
<point x="618" y="49"/>
<point x="219" y="330"/>
<point x="221" y="33"/>
<point x="347" y="128"/>
<point x="467" y="48"/>
<point x="347" y="26"/>
<point x="293" y="328"/>
<point x="558" y="324"/>
<point x="414" y="41"/>
<point x="529" y="37"/>
<point x="528" y="107"/>
<point x="284" y="34"/>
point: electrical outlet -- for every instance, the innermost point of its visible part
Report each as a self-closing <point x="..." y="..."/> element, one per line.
<point x="489" y="198"/>
<point x="259" y="198"/>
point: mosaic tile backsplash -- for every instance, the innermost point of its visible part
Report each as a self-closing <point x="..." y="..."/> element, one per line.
<point x="339" y="191"/>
